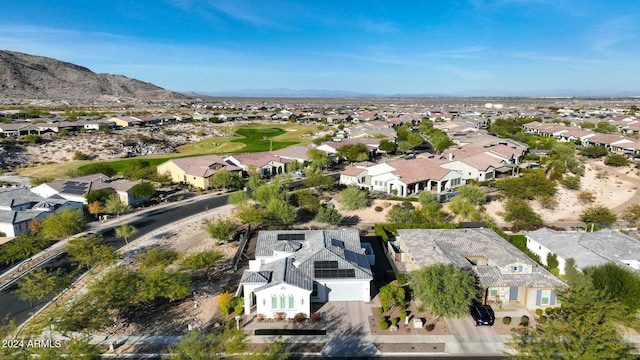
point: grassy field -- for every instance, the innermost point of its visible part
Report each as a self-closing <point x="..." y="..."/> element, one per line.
<point x="248" y="138"/>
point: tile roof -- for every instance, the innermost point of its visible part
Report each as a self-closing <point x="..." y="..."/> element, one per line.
<point x="203" y="166"/>
<point x="589" y="248"/>
<point x="341" y="246"/>
<point x="416" y="170"/>
<point x="429" y="246"/>
<point x="258" y="159"/>
<point x="293" y="152"/>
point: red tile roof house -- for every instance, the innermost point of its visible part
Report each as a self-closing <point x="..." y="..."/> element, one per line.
<point x="403" y="177"/>
<point x="268" y="163"/>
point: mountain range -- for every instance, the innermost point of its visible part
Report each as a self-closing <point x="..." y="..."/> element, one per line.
<point x="24" y="76"/>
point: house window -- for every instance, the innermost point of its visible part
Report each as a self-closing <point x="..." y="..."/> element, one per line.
<point x="282" y="302"/>
<point x="291" y="301"/>
<point x="262" y="261"/>
<point x="493" y="291"/>
<point x="545" y="297"/>
<point x="274" y="302"/>
<point x="315" y="289"/>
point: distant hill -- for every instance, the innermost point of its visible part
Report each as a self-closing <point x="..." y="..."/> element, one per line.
<point x="24" y="76"/>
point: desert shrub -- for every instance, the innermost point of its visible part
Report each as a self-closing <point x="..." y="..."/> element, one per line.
<point x="430" y="326"/>
<point x="384" y="325"/>
<point x="571" y="182"/>
<point x="379" y="310"/>
<point x="524" y="320"/>
<point x="225" y="301"/>
<point x="543" y="319"/>
<point x="378" y="208"/>
<point x="314" y="317"/>
<point x="506" y="320"/>
<point x="394" y="321"/>
<point x="260" y="317"/>
<point x="401" y="278"/>
<point x="539" y="312"/>
<point x="279" y="316"/>
<point x="299" y="317"/>
<point x="616" y="160"/>
<point x="403" y="314"/>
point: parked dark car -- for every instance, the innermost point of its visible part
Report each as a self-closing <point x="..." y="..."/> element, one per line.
<point x="483" y="315"/>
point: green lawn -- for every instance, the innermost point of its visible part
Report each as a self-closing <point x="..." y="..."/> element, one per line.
<point x="249" y="138"/>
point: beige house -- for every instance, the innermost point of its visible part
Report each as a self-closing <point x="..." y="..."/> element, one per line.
<point x="505" y="274"/>
<point x="196" y="171"/>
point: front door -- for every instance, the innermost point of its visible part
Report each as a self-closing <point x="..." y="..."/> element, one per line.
<point x="513" y="293"/>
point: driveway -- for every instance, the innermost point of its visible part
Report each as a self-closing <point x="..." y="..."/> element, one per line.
<point x="473" y="339"/>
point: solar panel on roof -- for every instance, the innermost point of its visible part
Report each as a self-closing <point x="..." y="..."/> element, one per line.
<point x="337" y="243"/>
<point x="325" y="264"/>
<point x="289" y="237"/>
<point x="74" y="187"/>
<point x="351" y="256"/>
<point x="334" y="273"/>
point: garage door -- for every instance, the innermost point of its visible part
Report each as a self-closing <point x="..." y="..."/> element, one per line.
<point x="345" y="291"/>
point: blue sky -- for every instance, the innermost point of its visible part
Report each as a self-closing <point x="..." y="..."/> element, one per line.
<point x="473" y="47"/>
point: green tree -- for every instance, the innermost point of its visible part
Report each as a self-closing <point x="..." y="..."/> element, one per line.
<point x="144" y="190"/>
<point x="391" y="294"/>
<point x="404" y="214"/>
<point x="584" y="329"/>
<point x="387" y="146"/>
<point x="155" y="257"/>
<point x="439" y="140"/>
<point x="598" y="214"/>
<point x="521" y="215"/>
<point x="281" y="212"/>
<point x="265" y="193"/>
<point x="594" y="151"/>
<point x="473" y="193"/>
<point x="41" y="283"/>
<point x="352" y="198"/>
<point x="315" y="178"/>
<point x="308" y="200"/>
<point x="429" y="201"/>
<point x="113" y="205"/>
<point x="98" y="168"/>
<point x="620" y="284"/>
<point x="463" y="207"/>
<point x="125" y="231"/>
<point x="227" y="180"/>
<point x="319" y="158"/>
<point x="100" y="195"/>
<point x="529" y="186"/>
<point x="220" y="229"/>
<point x="329" y="215"/>
<point x="22" y="247"/>
<point x="445" y="289"/>
<point x="251" y="215"/>
<point x="62" y="224"/>
<point x="88" y="251"/>
<point x="201" y="260"/>
<point x="238" y="198"/>
<point x="353" y="152"/>
<point x="616" y="160"/>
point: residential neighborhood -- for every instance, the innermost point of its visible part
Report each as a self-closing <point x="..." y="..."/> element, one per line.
<point x="331" y="219"/>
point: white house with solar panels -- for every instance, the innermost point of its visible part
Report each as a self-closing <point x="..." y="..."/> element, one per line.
<point x="294" y="268"/>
